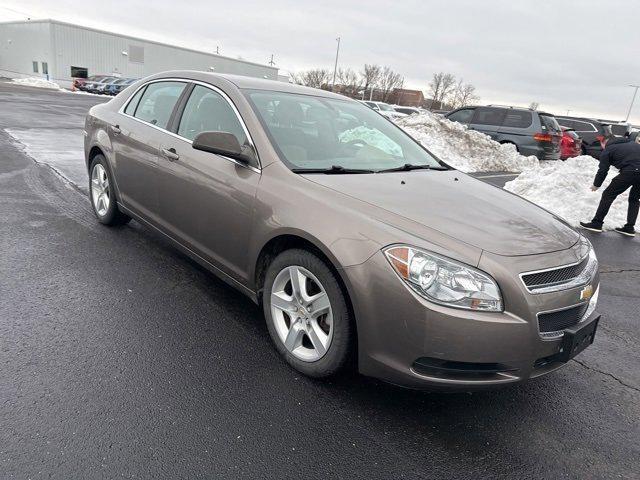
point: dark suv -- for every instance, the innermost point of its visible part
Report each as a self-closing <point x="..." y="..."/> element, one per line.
<point x="532" y="132"/>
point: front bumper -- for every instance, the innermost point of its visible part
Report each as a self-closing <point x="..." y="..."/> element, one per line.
<point x="406" y="340"/>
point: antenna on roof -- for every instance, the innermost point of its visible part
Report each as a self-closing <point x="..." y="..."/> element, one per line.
<point x="271" y="62"/>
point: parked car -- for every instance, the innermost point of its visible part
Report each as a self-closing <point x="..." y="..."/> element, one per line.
<point x="621" y="129"/>
<point x="359" y="244"/>
<point x="408" y="110"/>
<point x="593" y="133"/>
<point x="116" y="87"/>
<point x="384" y="109"/>
<point x="570" y="144"/>
<point x="101" y="87"/>
<point x="81" y="83"/>
<point x="532" y="132"/>
<point x="98" y="85"/>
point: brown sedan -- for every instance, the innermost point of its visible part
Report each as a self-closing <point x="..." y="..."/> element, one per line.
<point x="362" y="247"/>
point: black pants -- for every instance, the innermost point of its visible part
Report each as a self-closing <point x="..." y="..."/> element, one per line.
<point x="618" y="186"/>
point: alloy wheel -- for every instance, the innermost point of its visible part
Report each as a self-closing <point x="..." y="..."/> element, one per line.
<point x="100" y="190"/>
<point x="302" y="314"/>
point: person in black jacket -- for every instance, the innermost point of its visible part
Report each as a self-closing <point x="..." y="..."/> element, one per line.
<point x="625" y="156"/>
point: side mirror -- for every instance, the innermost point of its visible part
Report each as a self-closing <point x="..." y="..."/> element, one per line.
<point x="221" y="143"/>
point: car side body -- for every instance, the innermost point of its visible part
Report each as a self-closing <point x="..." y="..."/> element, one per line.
<point x="235" y="217"/>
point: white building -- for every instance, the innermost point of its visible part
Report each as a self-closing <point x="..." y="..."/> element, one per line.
<point x="61" y="51"/>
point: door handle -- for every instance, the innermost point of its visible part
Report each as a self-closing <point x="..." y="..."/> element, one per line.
<point x="116" y="129"/>
<point x="170" y="154"/>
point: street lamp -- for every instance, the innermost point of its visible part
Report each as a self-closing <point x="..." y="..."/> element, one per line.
<point x="635" y="92"/>
<point x="335" y="66"/>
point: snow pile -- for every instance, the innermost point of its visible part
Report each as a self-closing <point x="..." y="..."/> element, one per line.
<point x="464" y="149"/>
<point x="372" y="137"/>
<point x="36" y="82"/>
<point x="564" y="189"/>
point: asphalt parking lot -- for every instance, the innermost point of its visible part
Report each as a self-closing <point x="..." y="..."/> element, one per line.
<point x="119" y="357"/>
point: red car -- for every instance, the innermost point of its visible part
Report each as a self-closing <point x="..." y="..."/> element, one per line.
<point x="570" y="144"/>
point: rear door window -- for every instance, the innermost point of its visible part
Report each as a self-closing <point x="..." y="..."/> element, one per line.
<point x="158" y="101"/>
<point x="518" y="119"/>
<point x="489" y="116"/>
<point x="462" y="116"/>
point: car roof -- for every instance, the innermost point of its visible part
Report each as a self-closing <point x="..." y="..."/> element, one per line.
<point x="249" y="83"/>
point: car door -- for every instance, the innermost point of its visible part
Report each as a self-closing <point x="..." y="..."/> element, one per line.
<point x="488" y="120"/>
<point x="206" y="199"/>
<point x="136" y="138"/>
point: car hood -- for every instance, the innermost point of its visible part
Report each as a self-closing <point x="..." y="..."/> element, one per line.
<point x="458" y="206"/>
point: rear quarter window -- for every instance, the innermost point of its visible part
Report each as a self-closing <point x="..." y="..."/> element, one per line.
<point x="549" y="123"/>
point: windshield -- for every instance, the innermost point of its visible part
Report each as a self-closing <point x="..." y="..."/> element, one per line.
<point x="321" y="133"/>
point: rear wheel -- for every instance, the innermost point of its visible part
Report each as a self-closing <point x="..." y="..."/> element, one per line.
<point x="307" y="314"/>
<point x="103" y="198"/>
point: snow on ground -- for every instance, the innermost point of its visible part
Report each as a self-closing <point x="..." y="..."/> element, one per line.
<point x="464" y="149"/>
<point x="61" y="149"/>
<point x="564" y="189"/>
<point x="36" y="82"/>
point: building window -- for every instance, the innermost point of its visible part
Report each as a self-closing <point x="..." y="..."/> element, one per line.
<point x="136" y="54"/>
<point x="79" y="72"/>
<point x="45" y="68"/>
<point x="35" y="67"/>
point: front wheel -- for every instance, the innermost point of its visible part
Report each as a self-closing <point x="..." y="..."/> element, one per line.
<point x="306" y="313"/>
<point x="102" y="194"/>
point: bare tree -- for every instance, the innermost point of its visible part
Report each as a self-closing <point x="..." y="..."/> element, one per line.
<point x="370" y="76"/>
<point x="534" y="105"/>
<point x="464" y="94"/>
<point x="389" y="80"/>
<point x="315" y="78"/>
<point x="441" y="86"/>
<point x="350" y="81"/>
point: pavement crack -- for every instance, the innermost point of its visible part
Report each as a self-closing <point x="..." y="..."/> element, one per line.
<point x="607" y="374"/>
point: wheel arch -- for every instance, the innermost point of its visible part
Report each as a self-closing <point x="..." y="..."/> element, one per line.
<point x="295" y="239"/>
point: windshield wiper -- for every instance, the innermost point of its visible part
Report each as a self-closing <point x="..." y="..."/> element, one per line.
<point x="335" y="169"/>
<point x="409" y="166"/>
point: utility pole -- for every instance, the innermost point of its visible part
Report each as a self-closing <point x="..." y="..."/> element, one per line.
<point x="635" y="92"/>
<point x="568" y="112"/>
<point x="335" y="66"/>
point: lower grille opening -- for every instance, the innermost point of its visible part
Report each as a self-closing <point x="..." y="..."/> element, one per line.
<point x="435" y="367"/>
<point x="557" y="321"/>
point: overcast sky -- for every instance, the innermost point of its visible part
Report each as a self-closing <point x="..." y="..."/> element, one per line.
<point x="565" y="54"/>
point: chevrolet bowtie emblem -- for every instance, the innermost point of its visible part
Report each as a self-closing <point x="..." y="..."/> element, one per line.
<point x="586" y="293"/>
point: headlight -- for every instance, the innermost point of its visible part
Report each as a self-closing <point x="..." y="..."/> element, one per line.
<point x="444" y="281"/>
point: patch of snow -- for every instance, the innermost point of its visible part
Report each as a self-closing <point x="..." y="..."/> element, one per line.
<point x="373" y="137"/>
<point x="61" y="149"/>
<point x="464" y="149"/>
<point x="36" y="82"/>
<point x="564" y="189"/>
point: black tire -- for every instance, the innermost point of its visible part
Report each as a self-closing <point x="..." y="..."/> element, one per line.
<point x="339" y="352"/>
<point x="113" y="215"/>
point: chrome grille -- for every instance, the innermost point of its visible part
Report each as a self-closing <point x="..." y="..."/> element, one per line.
<point x="547" y="279"/>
